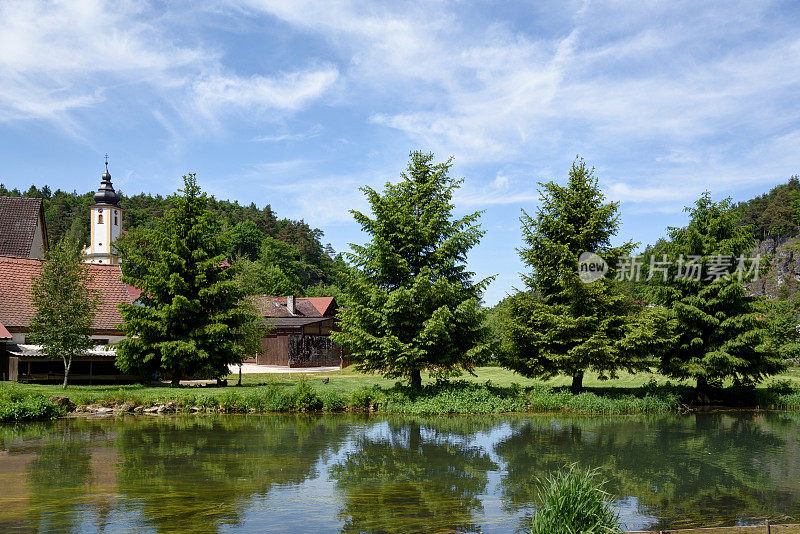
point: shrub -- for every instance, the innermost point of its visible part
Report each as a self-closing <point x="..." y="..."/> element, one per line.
<point x="572" y="501"/>
<point x="304" y="398"/>
<point x="362" y="399"/>
<point x="17" y="405"/>
<point x="333" y="402"/>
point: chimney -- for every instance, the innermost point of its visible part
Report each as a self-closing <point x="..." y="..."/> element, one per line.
<point x="290" y="304"/>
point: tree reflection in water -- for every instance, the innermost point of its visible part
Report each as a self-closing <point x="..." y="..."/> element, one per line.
<point x="408" y="476"/>
<point x="686" y="471"/>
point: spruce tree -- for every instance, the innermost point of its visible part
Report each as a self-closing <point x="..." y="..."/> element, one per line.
<point x="561" y="324"/>
<point x="191" y="321"/>
<point x="718" y="334"/>
<point x="64" y="305"/>
<point x="412" y="304"/>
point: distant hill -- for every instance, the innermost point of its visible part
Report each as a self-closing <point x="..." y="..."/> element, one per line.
<point x="775" y="214"/>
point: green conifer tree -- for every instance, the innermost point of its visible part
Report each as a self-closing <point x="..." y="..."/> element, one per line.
<point x="65" y="305"/>
<point x="563" y="325"/>
<point x="718" y="334"/>
<point x="191" y="321"/>
<point x="412" y="305"/>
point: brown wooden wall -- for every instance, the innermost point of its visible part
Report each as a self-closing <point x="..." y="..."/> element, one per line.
<point x="274" y="350"/>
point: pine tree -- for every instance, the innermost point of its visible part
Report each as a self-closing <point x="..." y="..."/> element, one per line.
<point x="192" y="322"/>
<point x="412" y="304"/>
<point x="718" y="334"/>
<point x="563" y="325"/>
<point x="65" y="305"/>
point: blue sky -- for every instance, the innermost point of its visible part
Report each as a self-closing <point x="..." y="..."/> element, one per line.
<point x="297" y="104"/>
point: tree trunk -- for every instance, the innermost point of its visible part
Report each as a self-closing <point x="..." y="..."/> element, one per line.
<point x="416" y="379"/>
<point x="702" y="390"/>
<point x="577" y="382"/>
<point x="176" y="379"/>
<point x="67" y="364"/>
<point x="239" y="383"/>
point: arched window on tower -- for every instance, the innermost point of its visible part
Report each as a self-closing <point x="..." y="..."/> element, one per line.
<point x="116" y="219"/>
<point x="100" y="216"/>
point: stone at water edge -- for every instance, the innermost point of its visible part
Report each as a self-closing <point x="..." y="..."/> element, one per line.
<point x="63" y="402"/>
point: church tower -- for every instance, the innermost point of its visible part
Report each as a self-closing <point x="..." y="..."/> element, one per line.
<point x="106" y="223"/>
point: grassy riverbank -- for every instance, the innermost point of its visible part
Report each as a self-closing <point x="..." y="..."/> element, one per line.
<point x="493" y="390"/>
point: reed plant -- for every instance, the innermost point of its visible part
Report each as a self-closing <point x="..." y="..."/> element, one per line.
<point x="572" y="501"/>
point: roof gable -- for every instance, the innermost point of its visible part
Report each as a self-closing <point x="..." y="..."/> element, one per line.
<point x="19" y="218"/>
<point x="16" y="308"/>
<point x="304" y="306"/>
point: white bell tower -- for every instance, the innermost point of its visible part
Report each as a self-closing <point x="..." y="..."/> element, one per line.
<point x="106" y="224"/>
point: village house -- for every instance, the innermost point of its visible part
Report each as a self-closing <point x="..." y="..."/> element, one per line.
<point x="300" y="329"/>
<point x="23" y="243"/>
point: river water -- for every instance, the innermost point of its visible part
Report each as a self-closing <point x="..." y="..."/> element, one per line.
<point x="294" y="473"/>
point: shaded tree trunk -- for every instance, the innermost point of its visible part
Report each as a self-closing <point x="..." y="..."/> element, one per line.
<point x="67" y="365"/>
<point x="577" y="382"/>
<point x="239" y="383"/>
<point x="416" y="379"/>
<point x="702" y="390"/>
<point x="176" y="379"/>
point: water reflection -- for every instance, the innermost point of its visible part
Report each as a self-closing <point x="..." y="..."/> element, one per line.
<point x="684" y="471"/>
<point x="408" y="477"/>
<point x="387" y="474"/>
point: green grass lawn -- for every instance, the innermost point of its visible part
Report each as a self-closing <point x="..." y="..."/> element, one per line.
<point x="492" y="390"/>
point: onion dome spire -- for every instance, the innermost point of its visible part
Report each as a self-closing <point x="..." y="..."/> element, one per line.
<point x="106" y="194"/>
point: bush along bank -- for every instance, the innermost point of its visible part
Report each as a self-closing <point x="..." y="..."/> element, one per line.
<point x="458" y="397"/>
<point x="17" y="405"/>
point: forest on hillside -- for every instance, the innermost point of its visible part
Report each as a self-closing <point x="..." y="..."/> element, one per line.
<point x="279" y="256"/>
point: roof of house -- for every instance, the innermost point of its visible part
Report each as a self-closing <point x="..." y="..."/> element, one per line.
<point x="304" y="306"/>
<point x="19" y="218"/>
<point x="16" y="308"/>
<point x="4" y="334"/>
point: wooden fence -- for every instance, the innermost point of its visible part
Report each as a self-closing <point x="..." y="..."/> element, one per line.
<point x="767" y="528"/>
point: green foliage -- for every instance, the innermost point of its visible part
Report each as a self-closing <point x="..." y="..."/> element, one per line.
<point x="572" y="501"/>
<point x="412" y="304"/>
<point x="192" y="321"/>
<point x="563" y="325"/>
<point x="18" y="405"/>
<point x="245" y="240"/>
<point x="718" y="335"/>
<point x="780" y="321"/>
<point x="64" y="305"/>
<point x="304" y="398"/>
<point x="773" y="214"/>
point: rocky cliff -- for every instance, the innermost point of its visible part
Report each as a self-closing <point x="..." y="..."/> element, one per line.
<point x="782" y="277"/>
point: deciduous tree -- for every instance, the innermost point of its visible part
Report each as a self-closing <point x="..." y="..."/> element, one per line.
<point x="65" y="305"/>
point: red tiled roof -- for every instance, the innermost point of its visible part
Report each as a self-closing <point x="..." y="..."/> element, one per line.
<point x="16" y="309"/>
<point x="304" y="306"/>
<point x="18" y="220"/>
<point x="4" y="334"/>
<point x="134" y="292"/>
<point x="326" y="306"/>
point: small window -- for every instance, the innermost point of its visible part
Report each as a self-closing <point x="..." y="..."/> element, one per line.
<point x="100" y="219"/>
<point x="99" y="244"/>
<point x="99" y="261"/>
<point x="116" y="220"/>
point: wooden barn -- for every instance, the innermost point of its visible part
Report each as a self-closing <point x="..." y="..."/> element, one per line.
<point x="300" y="332"/>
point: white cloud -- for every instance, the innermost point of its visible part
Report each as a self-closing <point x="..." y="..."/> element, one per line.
<point x="312" y="132"/>
<point x="287" y="91"/>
